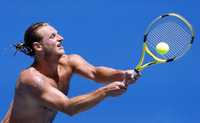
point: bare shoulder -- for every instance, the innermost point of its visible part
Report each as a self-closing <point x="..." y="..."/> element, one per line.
<point x="29" y="78"/>
<point x="75" y="58"/>
<point x="72" y="58"/>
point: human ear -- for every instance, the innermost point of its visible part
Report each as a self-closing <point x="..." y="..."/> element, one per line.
<point x="37" y="46"/>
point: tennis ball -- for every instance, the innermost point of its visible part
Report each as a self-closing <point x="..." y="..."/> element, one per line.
<point x="162" y="48"/>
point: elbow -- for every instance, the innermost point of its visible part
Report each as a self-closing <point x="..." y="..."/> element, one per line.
<point x="70" y="110"/>
<point x="71" y="113"/>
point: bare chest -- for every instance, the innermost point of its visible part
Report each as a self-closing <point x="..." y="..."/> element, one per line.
<point x="61" y="80"/>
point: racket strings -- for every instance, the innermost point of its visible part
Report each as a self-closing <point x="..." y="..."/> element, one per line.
<point x="173" y="36"/>
<point x="169" y="33"/>
<point x="174" y="33"/>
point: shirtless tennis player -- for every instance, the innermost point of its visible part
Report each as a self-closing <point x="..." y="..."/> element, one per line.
<point x="41" y="89"/>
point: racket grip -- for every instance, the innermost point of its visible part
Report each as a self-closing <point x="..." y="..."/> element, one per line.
<point x="136" y="74"/>
<point x="137" y="71"/>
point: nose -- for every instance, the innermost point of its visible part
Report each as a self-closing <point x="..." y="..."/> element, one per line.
<point x="59" y="37"/>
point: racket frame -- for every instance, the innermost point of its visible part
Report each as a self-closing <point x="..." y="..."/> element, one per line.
<point x="140" y="66"/>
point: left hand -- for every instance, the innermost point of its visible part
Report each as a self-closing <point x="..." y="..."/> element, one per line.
<point x="130" y="76"/>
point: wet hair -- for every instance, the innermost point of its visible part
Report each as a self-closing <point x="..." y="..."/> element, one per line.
<point x="30" y="36"/>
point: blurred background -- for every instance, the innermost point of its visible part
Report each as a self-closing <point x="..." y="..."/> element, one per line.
<point x="108" y="33"/>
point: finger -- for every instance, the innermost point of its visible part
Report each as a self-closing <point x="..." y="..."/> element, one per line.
<point x="119" y="92"/>
<point x="126" y="77"/>
<point x="124" y="85"/>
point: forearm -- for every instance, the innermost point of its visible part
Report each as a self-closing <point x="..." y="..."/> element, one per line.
<point x="106" y="75"/>
<point x="84" y="102"/>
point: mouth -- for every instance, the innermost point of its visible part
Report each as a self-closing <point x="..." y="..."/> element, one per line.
<point x="60" y="45"/>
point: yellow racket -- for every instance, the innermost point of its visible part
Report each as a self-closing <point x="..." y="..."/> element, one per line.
<point x="167" y="38"/>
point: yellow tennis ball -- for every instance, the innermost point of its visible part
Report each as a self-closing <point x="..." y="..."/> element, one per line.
<point x="162" y="48"/>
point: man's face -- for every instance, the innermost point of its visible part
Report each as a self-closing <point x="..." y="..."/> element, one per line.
<point x="51" y="41"/>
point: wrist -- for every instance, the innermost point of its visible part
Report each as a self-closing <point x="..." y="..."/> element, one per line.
<point x="102" y="91"/>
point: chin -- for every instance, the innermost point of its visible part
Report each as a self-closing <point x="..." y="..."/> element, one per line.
<point x="61" y="52"/>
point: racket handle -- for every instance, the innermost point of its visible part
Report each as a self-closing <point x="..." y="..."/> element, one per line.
<point x="137" y="71"/>
<point x="134" y="72"/>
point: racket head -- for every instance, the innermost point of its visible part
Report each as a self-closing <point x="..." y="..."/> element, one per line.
<point x="174" y="30"/>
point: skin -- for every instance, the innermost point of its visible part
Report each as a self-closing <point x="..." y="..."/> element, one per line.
<point x="41" y="89"/>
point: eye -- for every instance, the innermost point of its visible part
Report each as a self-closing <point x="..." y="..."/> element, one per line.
<point x="53" y="35"/>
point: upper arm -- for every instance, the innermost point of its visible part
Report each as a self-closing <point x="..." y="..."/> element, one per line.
<point x="82" y="67"/>
<point x="99" y="74"/>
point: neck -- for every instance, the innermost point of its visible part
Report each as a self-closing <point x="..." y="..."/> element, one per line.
<point x="47" y="66"/>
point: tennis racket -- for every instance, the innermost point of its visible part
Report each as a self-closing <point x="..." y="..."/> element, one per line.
<point x="172" y="30"/>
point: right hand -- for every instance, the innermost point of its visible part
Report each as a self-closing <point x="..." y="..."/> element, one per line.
<point x="131" y="76"/>
<point x="115" y="88"/>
